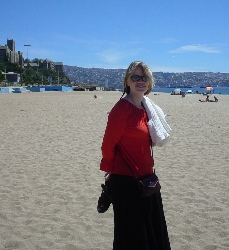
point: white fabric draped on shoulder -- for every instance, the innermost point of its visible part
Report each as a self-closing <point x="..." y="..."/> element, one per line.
<point x="158" y="127"/>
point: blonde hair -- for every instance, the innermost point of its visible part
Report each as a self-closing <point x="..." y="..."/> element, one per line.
<point x="146" y="70"/>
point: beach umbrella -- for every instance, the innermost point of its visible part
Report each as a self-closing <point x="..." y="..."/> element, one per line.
<point x="209" y="88"/>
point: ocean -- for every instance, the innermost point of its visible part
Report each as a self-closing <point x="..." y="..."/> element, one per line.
<point x="216" y="90"/>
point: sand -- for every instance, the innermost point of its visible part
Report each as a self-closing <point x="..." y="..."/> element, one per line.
<point x="50" y="179"/>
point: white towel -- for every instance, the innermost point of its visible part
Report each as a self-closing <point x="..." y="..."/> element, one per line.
<point x="158" y="127"/>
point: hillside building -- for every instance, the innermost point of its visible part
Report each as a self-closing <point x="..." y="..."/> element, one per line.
<point x="8" y="53"/>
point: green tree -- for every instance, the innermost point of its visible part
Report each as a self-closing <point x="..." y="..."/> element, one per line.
<point x="36" y="60"/>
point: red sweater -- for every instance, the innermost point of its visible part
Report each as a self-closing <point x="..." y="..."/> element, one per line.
<point x="127" y="141"/>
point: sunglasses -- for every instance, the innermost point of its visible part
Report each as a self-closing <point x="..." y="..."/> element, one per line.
<point x="137" y="78"/>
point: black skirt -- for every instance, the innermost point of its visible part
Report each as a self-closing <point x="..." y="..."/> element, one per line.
<point x="139" y="222"/>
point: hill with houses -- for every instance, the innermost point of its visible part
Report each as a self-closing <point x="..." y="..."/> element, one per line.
<point x="114" y="77"/>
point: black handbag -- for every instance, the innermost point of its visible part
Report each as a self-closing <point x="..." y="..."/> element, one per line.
<point x="149" y="185"/>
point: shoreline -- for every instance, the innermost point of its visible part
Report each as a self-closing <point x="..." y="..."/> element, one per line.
<point x="194" y="89"/>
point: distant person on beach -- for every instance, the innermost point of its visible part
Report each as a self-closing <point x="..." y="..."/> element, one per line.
<point x="139" y="222"/>
<point x="206" y="100"/>
<point x="215" y="100"/>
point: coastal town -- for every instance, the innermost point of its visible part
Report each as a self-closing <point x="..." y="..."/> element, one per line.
<point x="114" y="77"/>
<point x="45" y="72"/>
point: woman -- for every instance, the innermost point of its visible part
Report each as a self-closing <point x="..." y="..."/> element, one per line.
<point x="139" y="222"/>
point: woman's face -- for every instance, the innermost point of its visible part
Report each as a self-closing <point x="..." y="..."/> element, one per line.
<point x="139" y="86"/>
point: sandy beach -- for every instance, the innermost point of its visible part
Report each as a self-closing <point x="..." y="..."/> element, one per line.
<point x="50" y="178"/>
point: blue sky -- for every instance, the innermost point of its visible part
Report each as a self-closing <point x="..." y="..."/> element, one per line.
<point x="169" y="35"/>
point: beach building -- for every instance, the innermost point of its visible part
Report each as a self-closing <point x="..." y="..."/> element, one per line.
<point x="47" y="64"/>
<point x="34" y="66"/>
<point x="12" y="77"/>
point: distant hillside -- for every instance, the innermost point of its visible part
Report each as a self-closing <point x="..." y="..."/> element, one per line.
<point x="114" y="77"/>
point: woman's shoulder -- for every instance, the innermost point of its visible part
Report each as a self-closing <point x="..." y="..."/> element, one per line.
<point x="122" y="105"/>
<point x="120" y="110"/>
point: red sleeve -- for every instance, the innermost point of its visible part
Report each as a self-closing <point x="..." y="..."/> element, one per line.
<point x="115" y="128"/>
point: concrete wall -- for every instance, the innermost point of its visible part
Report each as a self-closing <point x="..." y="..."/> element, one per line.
<point x="58" y="88"/>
